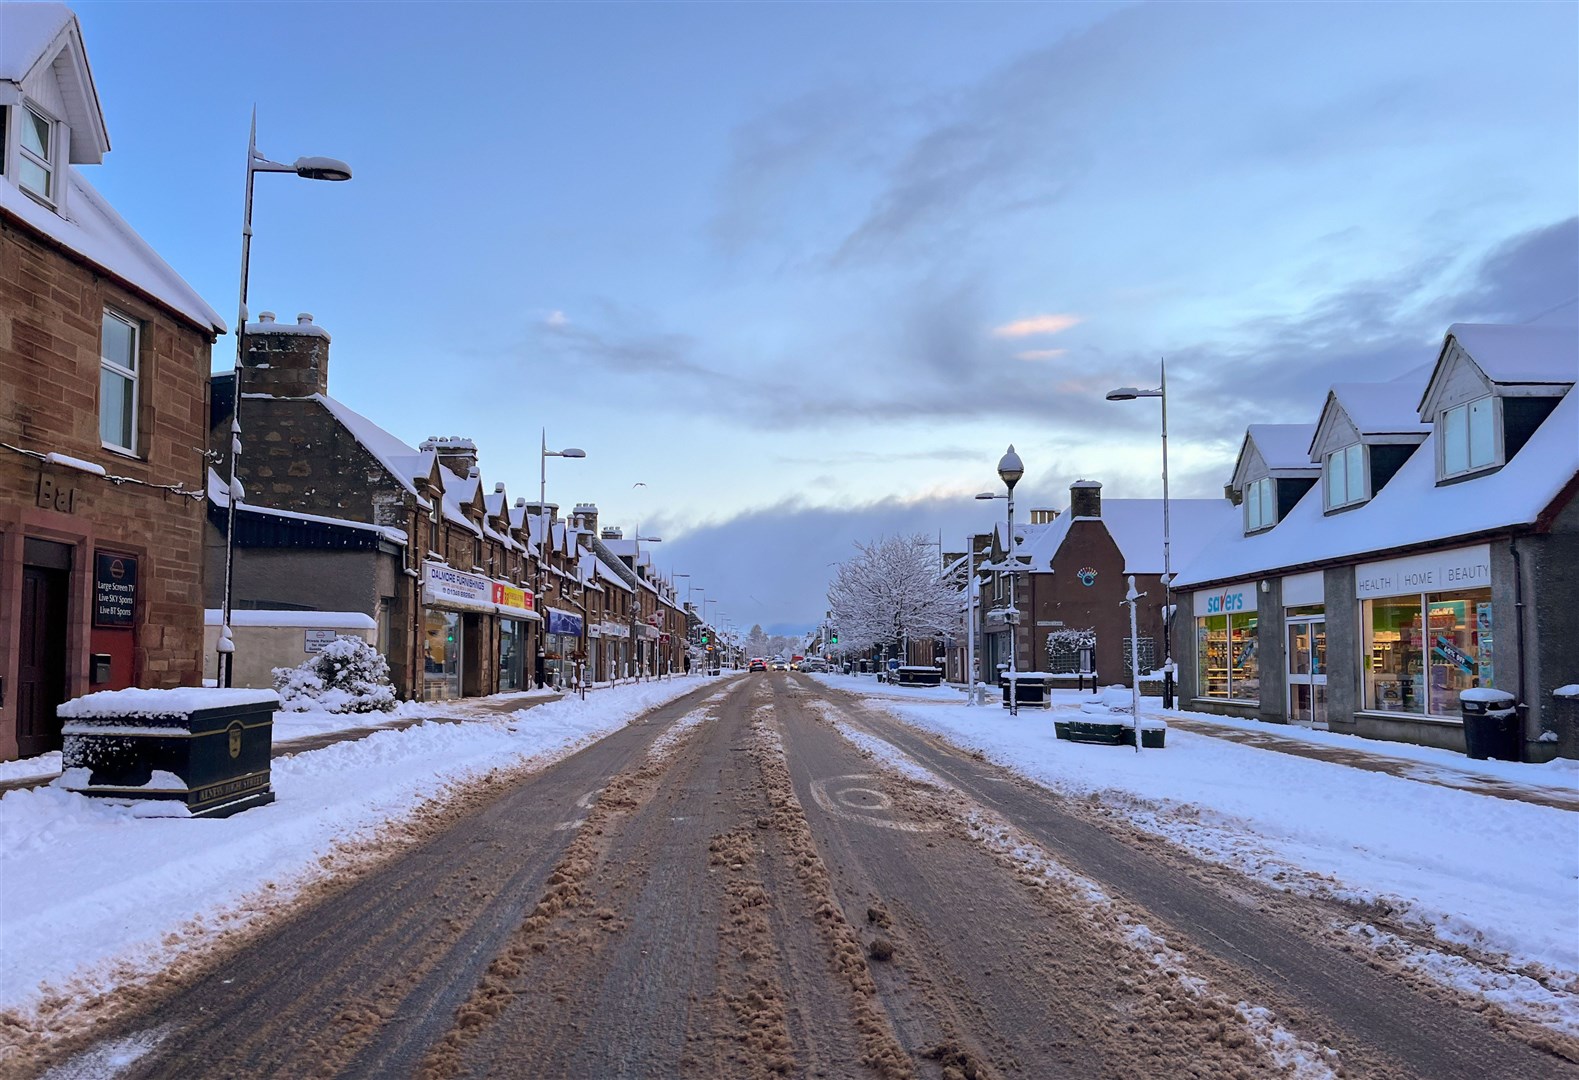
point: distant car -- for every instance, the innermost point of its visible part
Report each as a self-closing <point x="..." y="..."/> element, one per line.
<point x="758" y="664"/>
<point x="812" y="664"/>
<point x="780" y="665"/>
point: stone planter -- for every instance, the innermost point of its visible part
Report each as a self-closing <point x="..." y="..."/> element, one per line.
<point x="205" y="749"/>
<point x="1031" y="689"/>
<point x="918" y="675"/>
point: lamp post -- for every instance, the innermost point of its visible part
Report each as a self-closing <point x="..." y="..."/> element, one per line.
<point x="1130" y="393"/>
<point x="688" y="605"/>
<point x="1010" y="470"/>
<point x="542" y="530"/>
<point x="308" y="168"/>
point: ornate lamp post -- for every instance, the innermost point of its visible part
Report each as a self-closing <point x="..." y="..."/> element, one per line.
<point x="1130" y="393"/>
<point x="308" y="168"/>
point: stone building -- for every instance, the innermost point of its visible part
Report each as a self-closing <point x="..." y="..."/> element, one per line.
<point x="104" y="354"/>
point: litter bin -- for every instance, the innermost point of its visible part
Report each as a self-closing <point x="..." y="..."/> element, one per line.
<point x="1491" y="724"/>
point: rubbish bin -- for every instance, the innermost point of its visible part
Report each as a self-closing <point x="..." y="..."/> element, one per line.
<point x="1491" y="724"/>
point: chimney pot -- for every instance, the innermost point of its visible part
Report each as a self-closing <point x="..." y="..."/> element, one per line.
<point x="498" y="489"/>
<point x="265" y="316"/>
<point x="304" y="319"/>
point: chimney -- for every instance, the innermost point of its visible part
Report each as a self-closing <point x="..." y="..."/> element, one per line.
<point x="456" y="454"/>
<point x="1085" y="499"/>
<point x="585" y="517"/>
<point x="285" y="360"/>
<point x="613" y="532"/>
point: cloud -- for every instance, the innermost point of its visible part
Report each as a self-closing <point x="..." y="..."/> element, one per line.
<point x="1040" y="354"/>
<point x="556" y="320"/>
<point x="1036" y="324"/>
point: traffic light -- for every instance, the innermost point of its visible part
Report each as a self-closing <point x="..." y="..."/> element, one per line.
<point x="833" y="638"/>
<point x="704" y="637"/>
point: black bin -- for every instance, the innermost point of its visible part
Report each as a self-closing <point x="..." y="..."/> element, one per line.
<point x="1491" y="725"/>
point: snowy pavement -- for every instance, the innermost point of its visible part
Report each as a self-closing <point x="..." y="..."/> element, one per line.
<point x="1498" y="876"/>
<point x="95" y="895"/>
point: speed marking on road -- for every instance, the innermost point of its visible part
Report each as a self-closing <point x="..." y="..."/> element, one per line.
<point x="855" y="799"/>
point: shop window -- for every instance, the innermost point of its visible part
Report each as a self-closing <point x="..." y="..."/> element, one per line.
<point x="1469" y="437"/>
<point x="1345" y="475"/>
<point x="1228" y="664"/>
<point x="441" y="668"/>
<point x="1260" y="505"/>
<point x="35" y="170"/>
<point x="118" y="382"/>
<point x="1422" y="651"/>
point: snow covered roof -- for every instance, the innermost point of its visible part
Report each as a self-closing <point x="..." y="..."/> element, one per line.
<point x="1380" y="408"/>
<point x="1285" y="448"/>
<point x="1520" y="354"/>
<point x="1410" y="511"/>
<point x="302" y="327"/>
<point x="1136" y="527"/>
<point x="93" y="230"/>
<point x="219" y="495"/>
<point x="41" y="51"/>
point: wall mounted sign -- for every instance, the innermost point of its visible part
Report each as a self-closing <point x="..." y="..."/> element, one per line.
<point x="1225" y="601"/>
<point x="1438" y="571"/>
<point x="445" y="584"/>
<point x="316" y="640"/>
<point x="114" y="590"/>
<point x="1087" y="576"/>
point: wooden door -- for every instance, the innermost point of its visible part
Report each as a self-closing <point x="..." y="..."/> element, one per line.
<point x="41" y="678"/>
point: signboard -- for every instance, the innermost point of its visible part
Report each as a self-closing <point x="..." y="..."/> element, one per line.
<point x="506" y="595"/>
<point x="1227" y="601"/>
<point x="564" y="622"/>
<point x="315" y="640"/>
<point x="114" y="590"/>
<point x="447" y="584"/>
<point x="1438" y="571"/>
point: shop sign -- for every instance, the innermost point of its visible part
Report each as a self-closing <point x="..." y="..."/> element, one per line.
<point x="114" y="589"/>
<point x="512" y="597"/>
<point x="1226" y="601"/>
<point x="1304" y="590"/>
<point x="445" y="583"/>
<point x="1438" y="571"/>
<point x="563" y="622"/>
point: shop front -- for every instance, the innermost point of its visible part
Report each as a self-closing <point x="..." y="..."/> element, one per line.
<point x="1429" y="631"/>
<point x="563" y="656"/>
<point x="1227" y="652"/>
<point x="516" y="608"/>
<point x="454" y="604"/>
<point x="1305" y="654"/>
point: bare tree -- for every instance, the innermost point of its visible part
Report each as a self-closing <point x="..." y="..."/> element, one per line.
<point x="892" y="591"/>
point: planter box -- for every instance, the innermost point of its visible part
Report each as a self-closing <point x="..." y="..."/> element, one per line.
<point x="1107" y="733"/>
<point x="916" y="675"/>
<point x="1031" y="689"/>
<point x="1150" y="738"/>
<point x="206" y="749"/>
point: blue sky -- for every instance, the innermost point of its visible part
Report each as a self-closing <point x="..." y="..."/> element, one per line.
<point x="804" y="270"/>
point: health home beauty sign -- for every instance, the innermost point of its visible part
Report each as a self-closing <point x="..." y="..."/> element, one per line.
<point x="1440" y="571"/>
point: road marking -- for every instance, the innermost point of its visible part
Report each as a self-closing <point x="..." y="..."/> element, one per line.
<point x="845" y="797"/>
<point x="563" y="826"/>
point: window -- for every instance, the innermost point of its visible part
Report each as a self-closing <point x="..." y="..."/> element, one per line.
<point x="1421" y="651"/>
<point x="1148" y="655"/>
<point x="1260" y="505"/>
<point x="1346" y="476"/>
<point x="1468" y="437"/>
<point x="1225" y="650"/>
<point x="36" y="164"/>
<point x="118" y="383"/>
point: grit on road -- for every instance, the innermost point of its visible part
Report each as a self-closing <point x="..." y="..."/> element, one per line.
<point x="766" y="879"/>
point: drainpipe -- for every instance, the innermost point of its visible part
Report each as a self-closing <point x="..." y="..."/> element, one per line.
<point x="1518" y="608"/>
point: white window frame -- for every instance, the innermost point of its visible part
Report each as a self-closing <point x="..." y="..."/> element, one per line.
<point x="1445" y="469"/>
<point x="1260" y="505"/>
<point x="49" y="163"/>
<point x="133" y="374"/>
<point x="1353" y="491"/>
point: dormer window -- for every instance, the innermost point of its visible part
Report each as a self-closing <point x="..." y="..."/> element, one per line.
<point x="1260" y="505"/>
<point x="1469" y="440"/>
<point x="36" y="161"/>
<point x="1345" y="476"/>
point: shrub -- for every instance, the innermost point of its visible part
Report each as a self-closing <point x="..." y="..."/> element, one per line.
<point x="346" y="676"/>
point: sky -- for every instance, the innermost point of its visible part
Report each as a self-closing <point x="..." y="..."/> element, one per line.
<point x="796" y="275"/>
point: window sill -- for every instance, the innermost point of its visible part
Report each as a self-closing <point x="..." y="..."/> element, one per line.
<point x="1413" y="718"/>
<point x="43" y="200"/>
<point x="1473" y="474"/>
<point x="1241" y="702"/>
<point x="121" y="451"/>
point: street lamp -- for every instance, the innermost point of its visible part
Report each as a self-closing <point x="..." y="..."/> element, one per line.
<point x="542" y="532"/>
<point x="308" y="168"/>
<point x="1130" y="393"/>
<point x="1010" y="470"/>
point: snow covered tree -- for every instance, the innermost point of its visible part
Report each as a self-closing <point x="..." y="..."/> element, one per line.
<point x="757" y="642"/>
<point x="346" y="675"/>
<point x="893" y="591"/>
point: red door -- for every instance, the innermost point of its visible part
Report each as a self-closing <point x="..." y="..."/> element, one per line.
<point x="41" y="679"/>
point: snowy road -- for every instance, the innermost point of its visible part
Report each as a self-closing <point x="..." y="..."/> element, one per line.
<point x="769" y="877"/>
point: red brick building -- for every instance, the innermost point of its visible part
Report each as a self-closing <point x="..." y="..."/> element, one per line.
<point x="104" y="356"/>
